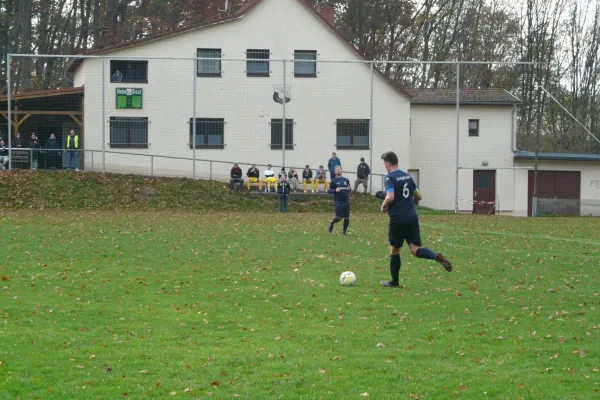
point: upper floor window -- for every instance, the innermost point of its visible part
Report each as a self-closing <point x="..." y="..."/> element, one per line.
<point x="305" y="63"/>
<point x="129" y="71"/>
<point x="209" y="62"/>
<point x="257" y="63"/>
<point x="473" y="127"/>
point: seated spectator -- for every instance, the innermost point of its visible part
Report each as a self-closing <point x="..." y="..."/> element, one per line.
<point x="270" y="178"/>
<point x="253" y="175"/>
<point x="293" y="179"/>
<point x="281" y="173"/>
<point x="307" y="177"/>
<point x="236" y="177"/>
<point x="3" y="155"/>
<point x="117" y="77"/>
<point x="320" y="177"/>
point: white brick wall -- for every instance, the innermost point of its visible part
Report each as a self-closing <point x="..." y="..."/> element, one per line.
<point x="433" y="144"/>
<point x="341" y="90"/>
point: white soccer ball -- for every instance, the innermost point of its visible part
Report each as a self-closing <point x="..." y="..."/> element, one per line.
<point x="347" y="278"/>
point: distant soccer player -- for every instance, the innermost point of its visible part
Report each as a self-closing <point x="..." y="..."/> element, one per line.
<point x="401" y="192"/>
<point x="340" y="187"/>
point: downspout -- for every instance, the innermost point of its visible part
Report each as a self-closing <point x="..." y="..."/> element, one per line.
<point x="513" y="130"/>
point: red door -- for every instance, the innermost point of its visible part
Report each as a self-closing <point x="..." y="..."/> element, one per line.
<point x="484" y="190"/>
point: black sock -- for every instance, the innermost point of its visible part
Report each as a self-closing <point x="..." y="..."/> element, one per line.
<point x="346" y="223"/>
<point x="395" y="267"/>
<point x="424" y="252"/>
<point x="335" y="220"/>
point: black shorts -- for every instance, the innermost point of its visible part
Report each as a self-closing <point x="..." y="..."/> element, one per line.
<point x="342" y="210"/>
<point x="404" y="231"/>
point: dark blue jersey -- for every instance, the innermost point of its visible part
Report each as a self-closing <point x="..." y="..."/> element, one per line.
<point x="402" y="208"/>
<point x="343" y="196"/>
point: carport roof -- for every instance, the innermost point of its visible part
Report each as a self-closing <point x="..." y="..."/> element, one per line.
<point x="530" y="155"/>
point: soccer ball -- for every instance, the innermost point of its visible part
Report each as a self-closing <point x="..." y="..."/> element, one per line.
<point x="347" y="278"/>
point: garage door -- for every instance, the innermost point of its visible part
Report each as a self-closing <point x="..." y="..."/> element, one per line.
<point x="558" y="192"/>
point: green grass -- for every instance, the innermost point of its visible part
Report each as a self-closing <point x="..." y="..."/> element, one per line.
<point x="186" y="304"/>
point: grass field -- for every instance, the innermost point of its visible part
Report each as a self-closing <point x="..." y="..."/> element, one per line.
<point x="106" y="305"/>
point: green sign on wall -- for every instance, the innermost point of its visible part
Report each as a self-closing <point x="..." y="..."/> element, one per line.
<point x="129" y="98"/>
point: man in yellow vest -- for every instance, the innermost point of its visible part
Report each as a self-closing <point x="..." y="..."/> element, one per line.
<point x="73" y="150"/>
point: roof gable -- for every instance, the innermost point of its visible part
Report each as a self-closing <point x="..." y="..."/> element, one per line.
<point x="243" y="11"/>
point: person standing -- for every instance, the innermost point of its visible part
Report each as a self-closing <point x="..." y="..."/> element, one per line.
<point x="73" y="150"/>
<point x="283" y="189"/>
<point x="34" y="145"/>
<point x="334" y="161"/>
<point x="53" y="155"/>
<point x="362" y="175"/>
<point x="400" y="195"/>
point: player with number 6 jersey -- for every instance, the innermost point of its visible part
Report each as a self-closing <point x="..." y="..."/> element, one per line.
<point x="400" y="195"/>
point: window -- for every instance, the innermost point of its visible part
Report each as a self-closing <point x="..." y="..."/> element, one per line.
<point x="209" y="133"/>
<point x="276" y="134"/>
<point x="207" y="66"/>
<point x="473" y="127"/>
<point x="128" y="132"/>
<point x="305" y="63"/>
<point x="128" y="71"/>
<point x="352" y="134"/>
<point x="255" y="66"/>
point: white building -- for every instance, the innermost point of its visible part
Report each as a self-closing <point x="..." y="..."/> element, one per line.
<point x="335" y="106"/>
<point x="237" y="117"/>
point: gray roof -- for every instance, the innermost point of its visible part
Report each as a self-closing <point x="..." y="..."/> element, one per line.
<point x="467" y="97"/>
<point x="530" y="155"/>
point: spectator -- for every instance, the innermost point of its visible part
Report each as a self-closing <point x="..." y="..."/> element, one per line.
<point x="253" y="175"/>
<point x="283" y="190"/>
<point x="34" y="145"/>
<point x="334" y="161"/>
<point x="3" y="155"/>
<point x="117" y="77"/>
<point x="293" y="179"/>
<point x="73" y="150"/>
<point x="362" y="175"/>
<point x="270" y="178"/>
<point x="129" y="75"/>
<point x="281" y="173"/>
<point x="17" y="141"/>
<point x="320" y="177"/>
<point x="236" y="177"/>
<point x="53" y="155"/>
<point x="307" y="177"/>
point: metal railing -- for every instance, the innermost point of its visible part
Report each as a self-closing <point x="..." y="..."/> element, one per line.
<point x="89" y="160"/>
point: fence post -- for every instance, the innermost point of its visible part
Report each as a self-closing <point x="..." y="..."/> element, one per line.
<point x="210" y="177"/>
<point x="283" y="122"/>
<point x="92" y="151"/>
<point x="8" y="93"/>
<point x="103" y="120"/>
<point x="457" y="128"/>
<point x="152" y="165"/>
<point x="371" y="129"/>
<point x="30" y="159"/>
<point x="194" y="117"/>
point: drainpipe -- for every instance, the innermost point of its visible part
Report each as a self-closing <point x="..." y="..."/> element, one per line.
<point x="513" y="130"/>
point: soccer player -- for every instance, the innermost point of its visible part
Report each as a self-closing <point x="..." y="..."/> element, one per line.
<point x="340" y="187"/>
<point x="400" y="195"/>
